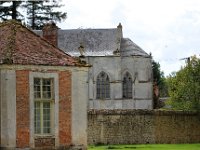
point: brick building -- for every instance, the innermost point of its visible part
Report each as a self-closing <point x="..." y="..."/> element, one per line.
<point x="38" y="107"/>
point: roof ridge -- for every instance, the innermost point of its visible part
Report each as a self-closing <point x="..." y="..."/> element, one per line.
<point x="87" y="29"/>
<point x="4" y="23"/>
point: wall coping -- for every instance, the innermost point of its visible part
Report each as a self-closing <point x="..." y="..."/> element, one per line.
<point x="141" y="112"/>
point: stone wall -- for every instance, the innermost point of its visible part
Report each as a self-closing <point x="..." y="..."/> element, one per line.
<point x="116" y="67"/>
<point x="142" y="126"/>
<point x="79" y="106"/>
<point x="8" y="108"/>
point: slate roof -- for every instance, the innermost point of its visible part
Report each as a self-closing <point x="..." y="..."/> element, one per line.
<point x="129" y="48"/>
<point x="96" y="42"/>
<point x="19" y="45"/>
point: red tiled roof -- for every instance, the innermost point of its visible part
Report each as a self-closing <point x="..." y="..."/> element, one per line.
<point x="19" y="45"/>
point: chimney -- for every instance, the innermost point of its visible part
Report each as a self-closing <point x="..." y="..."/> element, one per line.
<point x="119" y="27"/>
<point x="50" y="33"/>
<point x="118" y="38"/>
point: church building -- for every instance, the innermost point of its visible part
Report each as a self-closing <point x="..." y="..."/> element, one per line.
<point x="121" y="72"/>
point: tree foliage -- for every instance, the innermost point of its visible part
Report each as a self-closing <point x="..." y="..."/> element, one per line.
<point x="157" y="73"/>
<point x="159" y="79"/>
<point x="40" y="12"/>
<point x="33" y="8"/>
<point x="10" y="10"/>
<point x="184" y="86"/>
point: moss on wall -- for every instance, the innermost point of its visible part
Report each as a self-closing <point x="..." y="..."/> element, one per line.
<point x="142" y="126"/>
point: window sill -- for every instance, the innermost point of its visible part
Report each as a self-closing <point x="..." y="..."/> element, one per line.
<point x="103" y="99"/>
<point x="44" y="136"/>
<point x="114" y="99"/>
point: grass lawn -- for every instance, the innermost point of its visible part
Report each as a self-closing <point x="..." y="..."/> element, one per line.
<point x="148" y="147"/>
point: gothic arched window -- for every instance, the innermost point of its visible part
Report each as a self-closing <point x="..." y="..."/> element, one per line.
<point x="103" y="86"/>
<point x="127" y="85"/>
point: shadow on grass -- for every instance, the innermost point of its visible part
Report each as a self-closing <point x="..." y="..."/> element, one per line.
<point x="148" y="147"/>
<point x="126" y="147"/>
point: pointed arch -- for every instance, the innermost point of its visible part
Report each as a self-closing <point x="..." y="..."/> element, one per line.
<point x="127" y="86"/>
<point x="103" y="86"/>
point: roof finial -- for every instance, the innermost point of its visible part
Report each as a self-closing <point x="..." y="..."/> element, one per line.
<point x="116" y="52"/>
<point x="81" y="49"/>
<point x="119" y="26"/>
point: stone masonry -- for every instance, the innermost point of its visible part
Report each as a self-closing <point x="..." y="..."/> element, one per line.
<point x="142" y="127"/>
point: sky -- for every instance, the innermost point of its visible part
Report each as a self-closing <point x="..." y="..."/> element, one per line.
<point x="169" y="29"/>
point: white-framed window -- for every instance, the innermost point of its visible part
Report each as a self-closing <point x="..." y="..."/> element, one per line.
<point x="103" y="86"/>
<point x="127" y="86"/>
<point x="43" y="105"/>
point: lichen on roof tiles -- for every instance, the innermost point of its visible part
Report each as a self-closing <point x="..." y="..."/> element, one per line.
<point x="19" y="45"/>
<point x="97" y="42"/>
<point x="129" y="48"/>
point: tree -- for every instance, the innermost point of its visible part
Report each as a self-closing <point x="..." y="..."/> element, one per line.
<point x="9" y="10"/>
<point x="40" y="12"/>
<point x="184" y="86"/>
<point x="159" y="84"/>
<point x="157" y="73"/>
<point x="34" y="9"/>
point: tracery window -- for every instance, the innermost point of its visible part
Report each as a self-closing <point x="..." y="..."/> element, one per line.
<point x="103" y="86"/>
<point x="127" y="85"/>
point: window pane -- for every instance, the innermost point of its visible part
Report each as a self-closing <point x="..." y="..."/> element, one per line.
<point x="46" y="117"/>
<point x="47" y="95"/>
<point x="46" y="82"/>
<point x="37" y="95"/>
<point x="37" y="89"/>
<point x="37" y="81"/>
<point x="107" y="90"/>
<point x="47" y="88"/>
<point x="37" y="118"/>
<point x="127" y="86"/>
